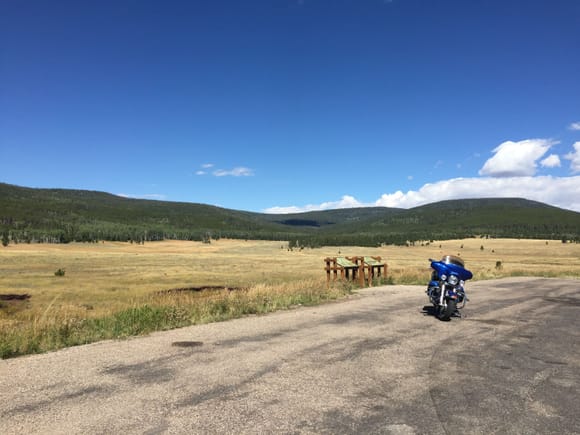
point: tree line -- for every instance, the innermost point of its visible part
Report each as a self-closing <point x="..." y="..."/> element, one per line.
<point x="67" y="233"/>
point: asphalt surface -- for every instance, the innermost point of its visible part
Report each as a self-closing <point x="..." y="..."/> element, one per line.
<point x="376" y="363"/>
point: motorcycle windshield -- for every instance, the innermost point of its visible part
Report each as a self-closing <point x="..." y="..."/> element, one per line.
<point x="451" y="269"/>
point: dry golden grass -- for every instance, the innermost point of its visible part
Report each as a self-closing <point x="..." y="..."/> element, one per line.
<point x="104" y="278"/>
<point x="118" y="289"/>
<point x="107" y="274"/>
<point x="517" y="258"/>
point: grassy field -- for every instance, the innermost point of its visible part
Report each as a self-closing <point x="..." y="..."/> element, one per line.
<point x="119" y="289"/>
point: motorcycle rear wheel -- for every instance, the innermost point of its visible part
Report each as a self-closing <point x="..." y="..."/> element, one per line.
<point x="445" y="312"/>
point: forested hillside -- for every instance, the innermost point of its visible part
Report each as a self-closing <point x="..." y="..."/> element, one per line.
<point x="59" y="216"/>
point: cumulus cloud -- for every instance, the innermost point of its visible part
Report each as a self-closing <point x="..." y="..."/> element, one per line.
<point x="510" y="173"/>
<point x="516" y="159"/>
<point x="552" y="161"/>
<point x="575" y="126"/>
<point x="236" y="172"/>
<point x="574" y="158"/>
<point x="561" y="192"/>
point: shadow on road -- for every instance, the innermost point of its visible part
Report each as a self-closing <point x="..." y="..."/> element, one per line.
<point x="429" y="310"/>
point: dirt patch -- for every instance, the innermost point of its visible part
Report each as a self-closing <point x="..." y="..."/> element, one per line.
<point x="12" y="303"/>
<point x="14" y="297"/>
<point x="198" y="289"/>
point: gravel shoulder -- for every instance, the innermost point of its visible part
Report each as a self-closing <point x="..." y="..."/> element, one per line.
<point x="374" y="363"/>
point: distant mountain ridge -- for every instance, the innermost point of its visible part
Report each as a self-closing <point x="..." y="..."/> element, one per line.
<point x="63" y="215"/>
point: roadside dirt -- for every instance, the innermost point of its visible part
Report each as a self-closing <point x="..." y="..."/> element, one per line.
<point x="14" y="297"/>
<point x="206" y="288"/>
<point x="375" y="363"/>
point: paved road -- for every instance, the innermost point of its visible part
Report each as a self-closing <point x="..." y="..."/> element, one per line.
<point x="376" y="363"/>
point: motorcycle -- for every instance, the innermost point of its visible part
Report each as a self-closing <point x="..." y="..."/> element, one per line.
<point x="446" y="289"/>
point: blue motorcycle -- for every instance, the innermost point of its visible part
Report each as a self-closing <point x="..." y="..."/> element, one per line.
<point x="446" y="289"/>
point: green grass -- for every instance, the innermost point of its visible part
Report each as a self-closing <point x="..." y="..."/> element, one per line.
<point x="160" y="312"/>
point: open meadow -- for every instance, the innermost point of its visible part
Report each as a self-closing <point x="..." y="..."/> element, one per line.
<point x="108" y="290"/>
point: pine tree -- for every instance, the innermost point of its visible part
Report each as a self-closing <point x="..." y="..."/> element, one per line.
<point x="5" y="239"/>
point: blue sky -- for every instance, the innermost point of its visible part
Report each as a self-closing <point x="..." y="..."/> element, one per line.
<point x="293" y="105"/>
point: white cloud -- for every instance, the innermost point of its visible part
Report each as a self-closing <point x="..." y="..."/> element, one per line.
<point x="289" y="209"/>
<point x="155" y="196"/>
<point x="575" y="126"/>
<point x="509" y="174"/>
<point x="203" y="170"/>
<point x="561" y="192"/>
<point x="574" y="158"/>
<point x="552" y="161"/>
<point x="346" y="201"/>
<point x="239" y="171"/>
<point x="236" y="172"/>
<point x="516" y="159"/>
